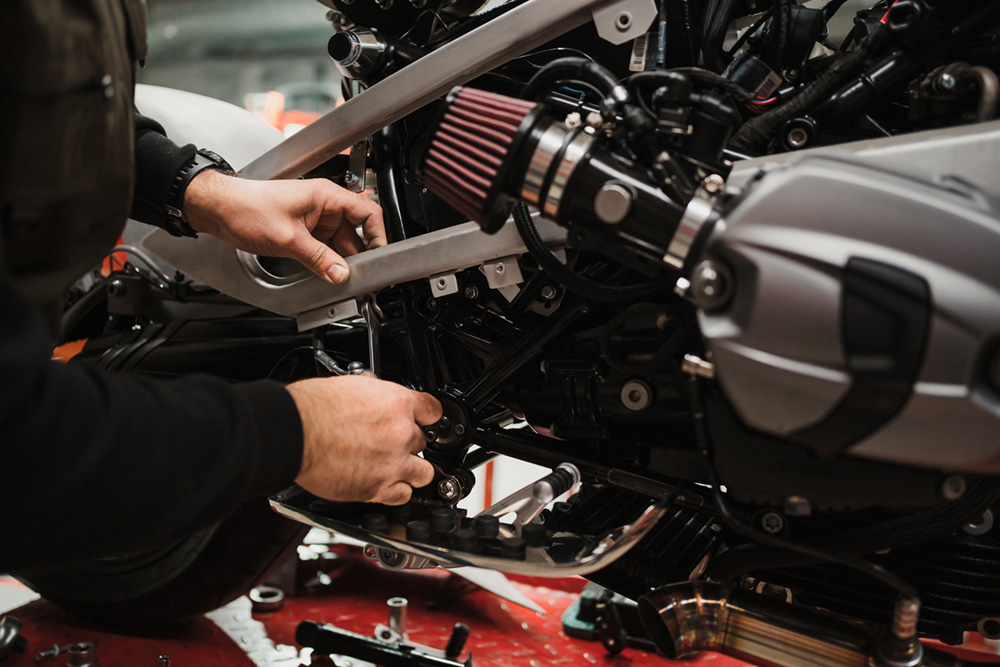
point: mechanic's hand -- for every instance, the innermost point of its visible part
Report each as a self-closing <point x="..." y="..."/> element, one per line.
<point x="361" y="438"/>
<point x="296" y="219"/>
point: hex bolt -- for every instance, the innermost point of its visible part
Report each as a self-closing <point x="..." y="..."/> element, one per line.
<point x="448" y="489"/>
<point x="797" y="137"/>
<point x="772" y="523"/>
<point x="431" y="436"/>
<point x="713" y="184"/>
<point x="946" y="82"/>
<point x="548" y="292"/>
<point x="459" y="429"/>
<point x="350" y="178"/>
<point x="953" y="487"/>
<point x="443" y="423"/>
<point x="116" y="288"/>
<point x="471" y="292"/>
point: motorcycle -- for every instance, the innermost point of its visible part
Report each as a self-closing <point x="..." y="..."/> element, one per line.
<point x="731" y="282"/>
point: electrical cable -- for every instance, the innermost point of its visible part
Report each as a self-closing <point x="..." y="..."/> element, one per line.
<point x="744" y="529"/>
<point x="576" y="283"/>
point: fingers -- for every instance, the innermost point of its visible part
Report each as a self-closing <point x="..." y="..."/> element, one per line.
<point x="417" y="472"/>
<point x="427" y="409"/>
<point x="356" y="209"/>
<point x="320" y="259"/>
<point x="346" y="241"/>
<point x="397" y="494"/>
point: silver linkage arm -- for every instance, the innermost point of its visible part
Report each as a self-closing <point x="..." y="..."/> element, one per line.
<point x="529" y="502"/>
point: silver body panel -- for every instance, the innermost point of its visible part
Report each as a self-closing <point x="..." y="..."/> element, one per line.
<point x="778" y="345"/>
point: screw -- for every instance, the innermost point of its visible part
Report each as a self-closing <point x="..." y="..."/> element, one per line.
<point x="797" y="137"/>
<point x="713" y="183"/>
<point x="500" y="268"/>
<point x="696" y="366"/>
<point x="772" y="522"/>
<point x="946" y="82"/>
<point x="459" y="429"/>
<point x="711" y="285"/>
<point x="573" y="119"/>
<point x="443" y="423"/>
<point x="471" y="292"/>
<point x="54" y="652"/>
<point x="548" y="292"/>
<point x="953" y="487"/>
<point x="350" y="178"/>
<point x="594" y="119"/>
<point x="448" y="489"/>
<point x="431" y="436"/>
<point x="116" y="288"/>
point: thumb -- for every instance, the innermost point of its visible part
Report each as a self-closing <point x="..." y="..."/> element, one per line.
<point x="321" y="260"/>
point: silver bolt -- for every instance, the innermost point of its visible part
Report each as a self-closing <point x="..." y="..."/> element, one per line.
<point x="548" y="292"/>
<point x="696" y="366"/>
<point x="448" y="489"/>
<point x="500" y="268"/>
<point x="946" y="82"/>
<point x="636" y="395"/>
<point x="573" y="119"/>
<point x="471" y="292"/>
<point x="116" y="288"/>
<point x="594" y="119"/>
<point x="953" y="487"/>
<point x="443" y="423"/>
<point x="772" y="523"/>
<point x="711" y="285"/>
<point x="797" y="137"/>
<point x="623" y="21"/>
<point x="350" y="178"/>
<point x="713" y="183"/>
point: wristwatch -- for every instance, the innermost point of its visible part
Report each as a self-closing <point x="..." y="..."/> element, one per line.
<point x="203" y="159"/>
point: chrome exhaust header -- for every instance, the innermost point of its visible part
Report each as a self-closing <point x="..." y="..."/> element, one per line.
<point x="687" y="618"/>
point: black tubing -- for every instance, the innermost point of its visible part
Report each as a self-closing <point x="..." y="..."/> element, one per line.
<point x="697" y="74"/>
<point x="574" y="282"/>
<point x="716" y="34"/>
<point x="910" y="529"/>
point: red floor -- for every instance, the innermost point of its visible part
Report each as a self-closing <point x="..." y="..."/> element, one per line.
<point x="352" y="598"/>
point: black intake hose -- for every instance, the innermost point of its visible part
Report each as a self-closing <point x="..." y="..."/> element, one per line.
<point x="578" y="69"/>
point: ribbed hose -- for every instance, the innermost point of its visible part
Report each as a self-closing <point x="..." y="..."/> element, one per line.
<point x="716" y="35"/>
<point x="573" y="282"/>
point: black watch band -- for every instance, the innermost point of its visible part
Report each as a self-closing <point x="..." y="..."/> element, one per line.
<point x="203" y="159"/>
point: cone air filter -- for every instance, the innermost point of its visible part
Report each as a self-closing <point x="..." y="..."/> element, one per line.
<point x="472" y="148"/>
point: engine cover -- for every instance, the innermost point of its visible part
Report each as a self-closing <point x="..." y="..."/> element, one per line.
<point x="862" y="314"/>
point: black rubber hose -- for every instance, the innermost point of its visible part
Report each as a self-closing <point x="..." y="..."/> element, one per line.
<point x="784" y="16"/>
<point x="699" y="75"/>
<point x="911" y="529"/>
<point x="575" y="283"/>
<point x="755" y="135"/>
<point x="577" y="69"/>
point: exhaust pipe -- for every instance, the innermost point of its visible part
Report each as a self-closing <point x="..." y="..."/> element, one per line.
<point x="686" y="618"/>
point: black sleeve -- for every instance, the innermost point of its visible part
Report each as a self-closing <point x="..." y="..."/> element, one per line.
<point x="158" y="160"/>
<point x="94" y="464"/>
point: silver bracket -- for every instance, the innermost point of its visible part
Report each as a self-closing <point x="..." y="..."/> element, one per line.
<point x="623" y="21"/>
<point x="334" y="312"/>
<point x="502" y="272"/>
<point x="529" y="502"/>
<point x="354" y="179"/>
<point x="374" y="324"/>
<point x="443" y="284"/>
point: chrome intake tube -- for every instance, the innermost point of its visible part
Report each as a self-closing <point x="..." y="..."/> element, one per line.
<point x="686" y="618"/>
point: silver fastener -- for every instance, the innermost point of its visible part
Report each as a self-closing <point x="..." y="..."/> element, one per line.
<point x="772" y="523"/>
<point x="448" y="489"/>
<point x="711" y="285"/>
<point x="698" y="367"/>
<point x="953" y="487"/>
<point x="636" y="395"/>
<point x="612" y="203"/>
<point x="797" y="137"/>
<point x="623" y="21"/>
<point x="471" y="292"/>
<point x="713" y="183"/>
<point x="548" y="292"/>
<point x="980" y="525"/>
<point x="573" y="119"/>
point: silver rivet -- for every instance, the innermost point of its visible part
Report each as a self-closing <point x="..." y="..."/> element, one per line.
<point x="623" y="21"/>
<point x="500" y="268"/>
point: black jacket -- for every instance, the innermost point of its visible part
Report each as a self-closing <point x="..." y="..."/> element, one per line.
<point x="94" y="464"/>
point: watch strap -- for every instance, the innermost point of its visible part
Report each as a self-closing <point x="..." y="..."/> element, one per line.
<point x="203" y="159"/>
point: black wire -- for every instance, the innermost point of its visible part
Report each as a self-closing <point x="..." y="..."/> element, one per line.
<point x="285" y="357"/>
<point x="574" y="282"/>
<point x="749" y="32"/>
<point x="739" y="526"/>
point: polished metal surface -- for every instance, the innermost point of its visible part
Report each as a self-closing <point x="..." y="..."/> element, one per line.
<point x="697" y="213"/>
<point x="511" y="34"/>
<point x="575" y="150"/>
<point x="541" y="159"/>
<point x="211" y="261"/>
<point x="294" y="503"/>
<point x="687" y="618"/>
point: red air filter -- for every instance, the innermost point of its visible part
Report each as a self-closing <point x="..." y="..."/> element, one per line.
<point x="470" y="150"/>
